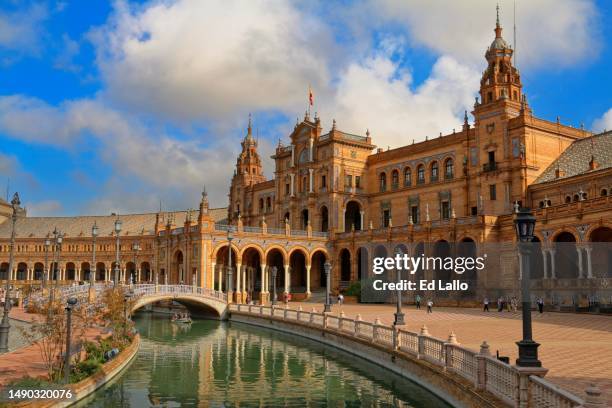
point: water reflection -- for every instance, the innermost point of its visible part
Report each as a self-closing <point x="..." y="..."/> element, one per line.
<point x="227" y="364"/>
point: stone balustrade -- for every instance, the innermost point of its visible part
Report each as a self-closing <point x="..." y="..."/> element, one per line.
<point x="483" y="371"/>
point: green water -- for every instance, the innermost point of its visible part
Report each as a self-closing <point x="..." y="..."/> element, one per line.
<point x="215" y="364"/>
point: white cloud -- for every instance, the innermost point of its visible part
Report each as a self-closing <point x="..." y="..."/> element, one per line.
<point x="156" y="160"/>
<point x="551" y="32"/>
<point x="43" y="208"/>
<point x="20" y="30"/>
<point x="603" y="123"/>
<point x="194" y="60"/>
<point x="377" y="95"/>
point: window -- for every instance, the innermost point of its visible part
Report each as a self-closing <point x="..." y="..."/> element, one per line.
<point x="395" y="179"/>
<point x="407" y="177"/>
<point x="304" y="184"/>
<point x="448" y="169"/>
<point x="434" y="171"/>
<point x="490" y="96"/>
<point x="357" y="181"/>
<point x="492" y="192"/>
<point x="323" y="181"/>
<point x="445" y="210"/>
<point x="261" y="205"/>
<point x="287" y="188"/>
<point x="383" y="182"/>
<point x="420" y="174"/>
<point x="568" y="199"/>
<point x="269" y="204"/>
<point x="414" y="212"/>
<point x="604" y="192"/>
<point x="474" y="211"/>
<point x="386" y="217"/>
<point x="348" y="181"/>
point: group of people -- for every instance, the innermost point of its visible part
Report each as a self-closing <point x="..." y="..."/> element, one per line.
<point x="511" y="306"/>
<point x="429" y="303"/>
<point x="180" y="315"/>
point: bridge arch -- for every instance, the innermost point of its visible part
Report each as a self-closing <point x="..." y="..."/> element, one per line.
<point x="197" y="306"/>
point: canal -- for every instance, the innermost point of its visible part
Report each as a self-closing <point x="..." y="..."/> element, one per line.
<point x="220" y="364"/>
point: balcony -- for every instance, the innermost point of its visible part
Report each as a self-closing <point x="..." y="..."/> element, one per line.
<point x="490" y="166"/>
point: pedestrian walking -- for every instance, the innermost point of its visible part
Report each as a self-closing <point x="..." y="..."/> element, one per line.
<point x="430" y="306"/>
<point x="340" y="298"/>
<point x="417" y="299"/>
<point x="485" y="302"/>
<point x="514" y="304"/>
<point x="500" y="304"/>
<point x="541" y="305"/>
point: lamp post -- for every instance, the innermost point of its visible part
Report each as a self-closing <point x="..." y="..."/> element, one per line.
<point x="274" y="271"/>
<point x="94" y="234"/>
<point x="136" y="249"/>
<point x="230" y="237"/>
<point x="5" y="326"/>
<point x="46" y="271"/>
<point x="398" y="315"/>
<point x="126" y="299"/>
<point x="69" y="305"/>
<point x="117" y="231"/>
<point x="57" y="241"/>
<point x="524" y="223"/>
<point x="327" y="267"/>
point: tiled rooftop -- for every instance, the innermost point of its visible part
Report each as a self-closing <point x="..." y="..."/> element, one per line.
<point x="132" y="224"/>
<point x="575" y="159"/>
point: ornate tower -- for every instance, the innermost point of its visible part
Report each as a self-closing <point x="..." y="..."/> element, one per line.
<point x="247" y="173"/>
<point x="501" y="81"/>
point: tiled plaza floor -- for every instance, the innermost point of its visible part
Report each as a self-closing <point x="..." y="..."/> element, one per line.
<point x="577" y="349"/>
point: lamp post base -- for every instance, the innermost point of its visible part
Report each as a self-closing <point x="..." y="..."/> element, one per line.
<point x="399" y="319"/>
<point x="4" y="333"/>
<point x="327" y="308"/>
<point x="528" y="354"/>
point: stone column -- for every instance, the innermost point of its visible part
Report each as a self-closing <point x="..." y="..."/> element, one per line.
<point x="310" y="180"/>
<point x="238" y="289"/>
<point x="286" y="278"/>
<point x="291" y="187"/>
<point x="221" y="267"/>
<point x="77" y="274"/>
<point x="588" y="250"/>
<point x="580" y="272"/>
<point x="137" y="275"/>
<point x="245" y="287"/>
<point x="308" y="280"/>
<point x="310" y="149"/>
<point x="545" y="264"/>
<point x="343" y="220"/>
<point x="361" y="214"/>
<point x="262" y="292"/>
<point x="552" y="263"/>
<point x="212" y="283"/>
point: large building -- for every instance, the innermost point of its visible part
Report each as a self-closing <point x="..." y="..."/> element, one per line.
<point x="334" y="197"/>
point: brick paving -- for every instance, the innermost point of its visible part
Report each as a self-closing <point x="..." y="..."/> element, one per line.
<point x="577" y="349"/>
<point x="25" y="359"/>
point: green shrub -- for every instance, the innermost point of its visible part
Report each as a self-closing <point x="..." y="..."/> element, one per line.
<point x="354" y="289"/>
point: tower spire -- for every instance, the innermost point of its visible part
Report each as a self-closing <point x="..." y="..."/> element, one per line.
<point x="250" y="128"/>
<point x="498" y="29"/>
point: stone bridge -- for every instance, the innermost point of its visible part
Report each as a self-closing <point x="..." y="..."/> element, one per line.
<point x="194" y="298"/>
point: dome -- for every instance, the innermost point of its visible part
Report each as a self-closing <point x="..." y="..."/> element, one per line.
<point x="499" y="44"/>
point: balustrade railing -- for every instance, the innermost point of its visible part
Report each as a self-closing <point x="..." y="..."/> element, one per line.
<point x="497" y="377"/>
<point x="546" y="395"/>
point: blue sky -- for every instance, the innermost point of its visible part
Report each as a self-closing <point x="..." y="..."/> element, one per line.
<point x="116" y="106"/>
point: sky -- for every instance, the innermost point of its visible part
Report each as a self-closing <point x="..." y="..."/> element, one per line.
<point x="119" y="106"/>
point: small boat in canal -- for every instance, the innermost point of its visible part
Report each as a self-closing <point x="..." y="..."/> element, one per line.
<point x="181" y="318"/>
